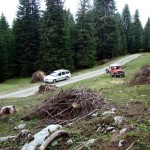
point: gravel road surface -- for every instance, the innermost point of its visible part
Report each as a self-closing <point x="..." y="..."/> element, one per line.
<point x="31" y="90"/>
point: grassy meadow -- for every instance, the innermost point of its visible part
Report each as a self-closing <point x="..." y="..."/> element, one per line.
<point x="129" y="100"/>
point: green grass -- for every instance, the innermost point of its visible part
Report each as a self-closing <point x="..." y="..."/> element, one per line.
<point x="23" y="105"/>
<point x="13" y="84"/>
<point x="117" y="89"/>
<point x="112" y="89"/>
<point x="134" y="65"/>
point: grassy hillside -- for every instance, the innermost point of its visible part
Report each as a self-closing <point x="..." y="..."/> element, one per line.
<point x="118" y="89"/>
<point x="13" y="84"/>
<point x="131" y="102"/>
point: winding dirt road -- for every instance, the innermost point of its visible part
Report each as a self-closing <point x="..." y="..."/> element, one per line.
<point x="31" y="90"/>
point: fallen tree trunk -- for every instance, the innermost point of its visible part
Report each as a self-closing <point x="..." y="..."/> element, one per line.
<point x="23" y="135"/>
<point x="3" y="139"/>
<point x="55" y="137"/>
<point x="40" y="137"/>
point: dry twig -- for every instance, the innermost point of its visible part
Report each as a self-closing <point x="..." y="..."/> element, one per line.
<point x="68" y="106"/>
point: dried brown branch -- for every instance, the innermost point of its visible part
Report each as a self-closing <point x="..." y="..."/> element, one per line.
<point x="68" y="106"/>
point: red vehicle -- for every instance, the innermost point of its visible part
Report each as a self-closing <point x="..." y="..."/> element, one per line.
<point x="115" y="70"/>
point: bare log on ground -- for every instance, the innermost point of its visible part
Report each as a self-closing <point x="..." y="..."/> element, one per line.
<point x="7" y="138"/>
<point x="40" y="137"/>
<point x="23" y="135"/>
<point x="55" y="137"/>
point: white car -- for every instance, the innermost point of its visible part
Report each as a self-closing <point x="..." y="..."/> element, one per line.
<point x="57" y="75"/>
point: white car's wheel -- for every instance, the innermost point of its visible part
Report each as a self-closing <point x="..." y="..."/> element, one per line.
<point x="67" y="78"/>
<point x="54" y="81"/>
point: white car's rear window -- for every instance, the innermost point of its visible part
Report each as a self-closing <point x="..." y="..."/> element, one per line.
<point x="54" y="74"/>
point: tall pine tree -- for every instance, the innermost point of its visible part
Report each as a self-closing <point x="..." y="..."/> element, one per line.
<point x="122" y="42"/>
<point x="72" y="35"/>
<point x="86" y="50"/>
<point x="106" y="28"/>
<point x="27" y="35"/>
<point x="55" y="52"/>
<point x="126" y="21"/>
<point x="3" y="49"/>
<point x="147" y="36"/>
<point x="136" y="34"/>
<point x="6" y="50"/>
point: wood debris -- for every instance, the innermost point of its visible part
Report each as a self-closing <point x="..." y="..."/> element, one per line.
<point x="47" y="88"/>
<point x="68" y="106"/>
<point x="38" y="76"/>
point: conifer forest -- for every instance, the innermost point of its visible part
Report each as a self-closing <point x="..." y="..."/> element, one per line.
<point x="54" y="38"/>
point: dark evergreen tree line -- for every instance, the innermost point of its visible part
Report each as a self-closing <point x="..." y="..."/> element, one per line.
<point x="53" y="39"/>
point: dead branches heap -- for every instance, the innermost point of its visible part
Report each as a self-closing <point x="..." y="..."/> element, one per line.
<point x="38" y="76"/>
<point x="68" y="106"/>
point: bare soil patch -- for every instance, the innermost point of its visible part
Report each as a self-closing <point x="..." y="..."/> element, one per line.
<point x="136" y="136"/>
<point x="142" y="76"/>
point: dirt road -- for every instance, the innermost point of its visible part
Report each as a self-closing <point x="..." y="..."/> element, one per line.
<point x="31" y="90"/>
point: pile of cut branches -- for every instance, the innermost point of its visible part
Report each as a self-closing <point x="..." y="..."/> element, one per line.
<point x="68" y="106"/>
<point x="38" y="76"/>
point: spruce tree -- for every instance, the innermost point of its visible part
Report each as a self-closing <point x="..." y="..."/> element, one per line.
<point x="106" y="28"/>
<point x="3" y="49"/>
<point x="85" y="54"/>
<point x="126" y="20"/>
<point x="136" y="34"/>
<point x="147" y="36"/>
<point x="122" y="42"/>
<point x="11" y="54"/>
<point x="27" y="35"/>
<point x="6" y="50"/>
<point x="70" y="29"/>
<point x="55" y="51"/>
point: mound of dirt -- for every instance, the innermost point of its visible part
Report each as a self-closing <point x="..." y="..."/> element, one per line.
<point x="142" y="76"/>
<point x="46" y="88"/>
<point x="38" y="76"/>
<point x="68" y="106"/>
